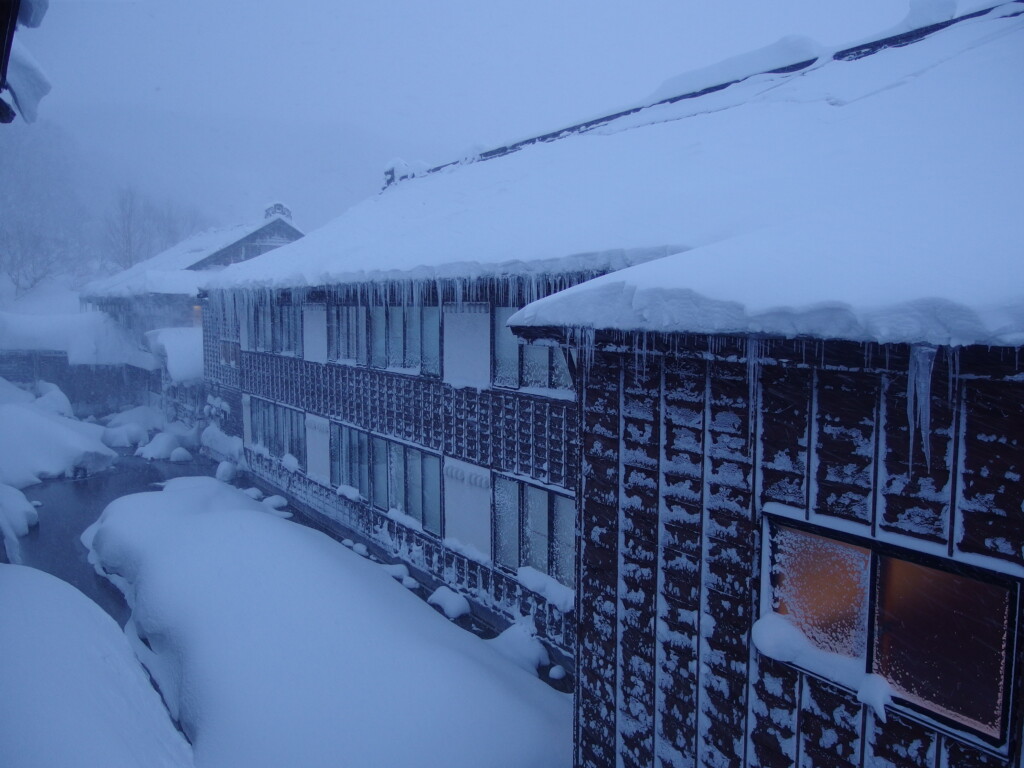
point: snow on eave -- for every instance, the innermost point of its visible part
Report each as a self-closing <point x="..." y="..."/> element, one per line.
<point x="26" y="82"/>
<point x="575" y="264"/>
<point x="926" y="118"/>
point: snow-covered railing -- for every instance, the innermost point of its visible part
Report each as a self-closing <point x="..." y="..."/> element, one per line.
<point x="392" y="175"/>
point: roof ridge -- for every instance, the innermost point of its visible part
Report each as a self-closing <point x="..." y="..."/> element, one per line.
<point x="862" y="50"/>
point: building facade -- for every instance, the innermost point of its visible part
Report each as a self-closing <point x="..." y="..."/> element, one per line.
<point x="409" y="414"/>
<point x="868" y="493"/>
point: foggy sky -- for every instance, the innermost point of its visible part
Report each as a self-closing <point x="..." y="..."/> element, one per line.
<point x="231" y="104"/>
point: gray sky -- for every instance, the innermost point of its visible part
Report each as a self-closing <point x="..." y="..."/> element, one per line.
<point x="230" y="104"/>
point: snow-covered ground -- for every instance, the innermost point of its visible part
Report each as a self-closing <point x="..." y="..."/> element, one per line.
<point x="73" y="692"/>
<point x="275" y="645"/>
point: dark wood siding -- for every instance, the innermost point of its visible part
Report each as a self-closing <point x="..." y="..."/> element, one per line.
<point x="669" y="675"/>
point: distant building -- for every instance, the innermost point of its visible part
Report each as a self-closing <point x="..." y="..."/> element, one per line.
<point x="162" y="292"/>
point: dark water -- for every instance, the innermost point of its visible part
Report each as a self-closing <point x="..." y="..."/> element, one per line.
<point x="71" y="506"/>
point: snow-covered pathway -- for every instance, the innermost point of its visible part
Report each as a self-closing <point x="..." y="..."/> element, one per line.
<point x="275" y="645"/>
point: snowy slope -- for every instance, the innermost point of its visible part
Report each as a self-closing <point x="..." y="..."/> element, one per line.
<point x="810" y="184"/>
<point x="73" y="692"/>
<point x="874" y="199"/>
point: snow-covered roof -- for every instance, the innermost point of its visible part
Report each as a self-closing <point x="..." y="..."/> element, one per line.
<point x="897" y="147"/>
<point x="170" y="272"/>
<point x="874" y="199"/>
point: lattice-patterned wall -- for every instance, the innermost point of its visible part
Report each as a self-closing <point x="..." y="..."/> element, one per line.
<point x="682" y="448"/>
<point x="490" y="588"/>
<point x="507" y="431"/>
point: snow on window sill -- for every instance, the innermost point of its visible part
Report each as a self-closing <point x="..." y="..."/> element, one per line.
<point x="466" y="550"/>
<point x="776" y="637"/>
<point x="407" y="520"/>
<point x="547" y="587"/>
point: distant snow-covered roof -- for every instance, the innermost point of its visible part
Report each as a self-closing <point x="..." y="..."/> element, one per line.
<point x="169" y="271"/>
<point x="875" y="199"/>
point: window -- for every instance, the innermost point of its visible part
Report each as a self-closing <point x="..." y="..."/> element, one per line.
<point x="386" y="336"/>
<point x="286" y="328"/>
<point x="278" y="429"/>
<point x="350" y="459"/>
<point x="346" y="334"/>
<point x="526" y="365"/>
<point x="229" y="354"/>
<point x="534" y="527"/>
<point x="942" y="640"/>
<point x="406" y="480"/>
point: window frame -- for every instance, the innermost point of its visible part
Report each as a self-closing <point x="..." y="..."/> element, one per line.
<point x="498" y="329"/>
<point x="278" y="429"/>
<point x="373" y="339"/>
<point x="523" y="541"/>
<point x="878" y="549"/>
<point x="377" y="488"/>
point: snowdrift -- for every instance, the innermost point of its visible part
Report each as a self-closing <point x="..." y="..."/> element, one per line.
<point x="275" y="645"/>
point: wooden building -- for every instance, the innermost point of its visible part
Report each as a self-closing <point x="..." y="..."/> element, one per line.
<point x="405" y="413"/>
<point x="772" y="396"/>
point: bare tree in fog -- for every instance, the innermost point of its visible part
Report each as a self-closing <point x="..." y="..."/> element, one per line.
<point x="138" y="226"/>
<point x="129" y="230"/>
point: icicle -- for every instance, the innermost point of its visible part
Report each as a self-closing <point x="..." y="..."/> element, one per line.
<point x="953" y="360"/>
<point x="919" y="400"/>
<point x="753" y="364"/>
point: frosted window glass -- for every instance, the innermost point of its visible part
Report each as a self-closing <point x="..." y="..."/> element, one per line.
<point x="432" y="494"/>
<point x="396" y="337"/>
<point x="941" y="640"/>
<point x="560" y="378"/>
<point x="506" y="522"/>
<point x="563" y="550"/>
<point x="378" y="337"/>
<point x="535" y="366"/>
<point x="413" y="339"/>
<point x="823" y="585"/>
<point x="431" y="340"/>
<point x="506" y="349"/>
<point x="536" y="554"/>
<point x="396" y="476"/>
<point x="414" y="483"/>
<point x="380" y="472"/>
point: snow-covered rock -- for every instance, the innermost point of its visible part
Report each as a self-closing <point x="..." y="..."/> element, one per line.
<point x="206" y="571"/>
<point x="519" y="644"/>
<point x="161" y="446"/>
<point x="452" y="603"/>
<point x="180" y="454"/>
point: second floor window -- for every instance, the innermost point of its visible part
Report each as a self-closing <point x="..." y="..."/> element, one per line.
<point x="526" y="365"/>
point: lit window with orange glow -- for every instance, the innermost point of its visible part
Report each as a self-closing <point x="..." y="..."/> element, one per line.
<point x="941" y="639"/>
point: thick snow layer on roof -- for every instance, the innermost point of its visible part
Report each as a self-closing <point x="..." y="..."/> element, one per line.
<point x="876" y="199"/>
<point x="919" y="133"/>
<point x="88" y="338"/>
<point x="168" y="272"/>
<point x="275" y="645"/>
<point x="26" y="81"/>
<point x="74" y="693"/>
